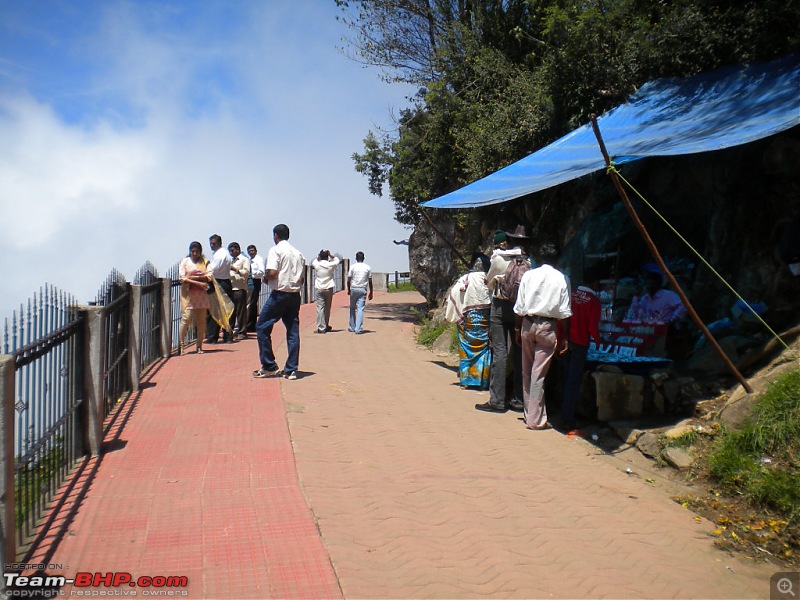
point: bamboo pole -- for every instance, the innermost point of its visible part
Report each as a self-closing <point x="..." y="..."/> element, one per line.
<point x="657" y="256"/>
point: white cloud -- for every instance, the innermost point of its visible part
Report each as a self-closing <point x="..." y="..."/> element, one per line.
<point x="171" y="134"/>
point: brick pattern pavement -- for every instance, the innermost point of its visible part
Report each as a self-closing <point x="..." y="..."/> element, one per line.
<point x="418" y="495"/>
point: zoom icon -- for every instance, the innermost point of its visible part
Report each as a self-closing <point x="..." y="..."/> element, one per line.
<point x="785" y="586"/>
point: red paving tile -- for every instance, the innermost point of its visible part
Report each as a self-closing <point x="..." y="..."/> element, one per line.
<point x="199" y="481"/>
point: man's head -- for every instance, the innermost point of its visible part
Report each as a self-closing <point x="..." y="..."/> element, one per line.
<point x="591" y="277"/>
<point x="653" y="282"/>
<point x="252" y="251"/>
<point x="215" y="241"/>
<point x="359" y="256"/>
<point x="234" y="249"/>
<point x="280" y="233"/>
<point x="324" y="255"/>
<point x="519" y="238"/>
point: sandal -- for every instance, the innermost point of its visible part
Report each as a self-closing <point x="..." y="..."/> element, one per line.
<point x="540" y="428"/>
<point x="263" y="373"/>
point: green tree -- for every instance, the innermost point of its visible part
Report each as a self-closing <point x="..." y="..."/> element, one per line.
<point x="501" y="78"/>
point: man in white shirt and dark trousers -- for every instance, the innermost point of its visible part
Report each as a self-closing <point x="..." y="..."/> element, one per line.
<point x="543" y="300"/>
<point x="257" y="269"/>
<point x="240" y="273"/>
<point x="285" y="274"/>
<point x="324" y="284"/>
<point x="220" y="268"/>
<point x="359" y="280"/>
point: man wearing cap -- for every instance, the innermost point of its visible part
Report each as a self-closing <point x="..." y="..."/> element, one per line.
<point x="507" y="246"/>
<point x="543" y="300"/>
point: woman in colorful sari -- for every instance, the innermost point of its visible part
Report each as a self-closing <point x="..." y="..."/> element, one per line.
<point x="195" y="278"/>
<point x="468" y="305"/>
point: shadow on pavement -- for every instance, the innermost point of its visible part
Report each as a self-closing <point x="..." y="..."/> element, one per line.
<point x="406" y="312"/>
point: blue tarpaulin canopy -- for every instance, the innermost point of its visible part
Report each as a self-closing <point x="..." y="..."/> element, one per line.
<point x="710" y="111"/>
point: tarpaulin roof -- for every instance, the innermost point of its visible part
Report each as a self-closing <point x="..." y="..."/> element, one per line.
<point x="671" y="116"/>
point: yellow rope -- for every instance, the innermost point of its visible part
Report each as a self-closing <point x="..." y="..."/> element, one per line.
<point x="612" y="168"/>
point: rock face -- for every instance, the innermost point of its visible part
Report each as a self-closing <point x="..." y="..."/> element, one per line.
<point x="431" y="261"/>
<point x="730" y="205"/>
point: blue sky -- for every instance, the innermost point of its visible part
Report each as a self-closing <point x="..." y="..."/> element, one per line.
<point x="131" y="128"/>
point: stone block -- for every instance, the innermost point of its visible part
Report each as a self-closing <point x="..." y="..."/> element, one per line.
<point x="618" y="395"/>
<point x="678" y="457"/>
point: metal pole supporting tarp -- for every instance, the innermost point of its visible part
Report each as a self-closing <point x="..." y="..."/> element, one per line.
<point x="657" y="256"/>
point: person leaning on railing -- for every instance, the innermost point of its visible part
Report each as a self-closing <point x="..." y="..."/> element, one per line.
<point x="194" y="277"/>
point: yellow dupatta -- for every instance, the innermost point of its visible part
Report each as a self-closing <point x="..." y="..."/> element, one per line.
<point x="220" y="306"/>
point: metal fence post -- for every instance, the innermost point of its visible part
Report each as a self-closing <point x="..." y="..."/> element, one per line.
<point x="166" y="317"/>
<point x="94" y="351"/>
<point x="135" y="336"/>
<point x="8" y="538"/>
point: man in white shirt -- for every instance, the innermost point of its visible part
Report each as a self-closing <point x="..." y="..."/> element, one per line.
<point x="285" y="274"/>
<point x="543" y="300"/>
<point x="220" y="268"/>
<point x="257" y="270"/>
<point x="324" y="284"/>
<point x="240" y="273"/>
<point x="359" y="280"/>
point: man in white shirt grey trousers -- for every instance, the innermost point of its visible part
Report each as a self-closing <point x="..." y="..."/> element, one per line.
<point x="543" y="300"/>
<point x="324" y="284"/>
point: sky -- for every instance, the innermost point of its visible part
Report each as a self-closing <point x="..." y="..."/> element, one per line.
<point x="131" y="128"/>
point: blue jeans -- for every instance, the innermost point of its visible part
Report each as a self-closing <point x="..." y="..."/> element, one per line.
<point x="358" y="298"/>
<point x="280" y="306"/>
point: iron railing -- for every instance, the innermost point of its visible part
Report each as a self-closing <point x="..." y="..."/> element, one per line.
<point x="115" y="298"/>
<point x="45" y="341"/>
<point x="149" y="314"/>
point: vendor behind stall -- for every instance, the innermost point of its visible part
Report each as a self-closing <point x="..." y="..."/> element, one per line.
<point x="658" y="305"/>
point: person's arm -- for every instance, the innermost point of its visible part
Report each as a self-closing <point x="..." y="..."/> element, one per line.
<point x="257" y="267"/>
<point x="302" y="270"/>
<point x="271" y="266"/>
<point x="370" y="287"/>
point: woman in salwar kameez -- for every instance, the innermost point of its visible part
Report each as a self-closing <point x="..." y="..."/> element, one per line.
<point x="468" y="306"/>
<point x="200" y="293"/>
<point x="195" y="278"/>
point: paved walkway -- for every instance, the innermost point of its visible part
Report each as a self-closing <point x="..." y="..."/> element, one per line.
<point x="385" y="484"/>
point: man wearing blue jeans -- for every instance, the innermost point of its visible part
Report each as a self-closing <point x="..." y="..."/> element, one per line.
<point x="359" y="280"/>
<point x="285" y="273"/>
